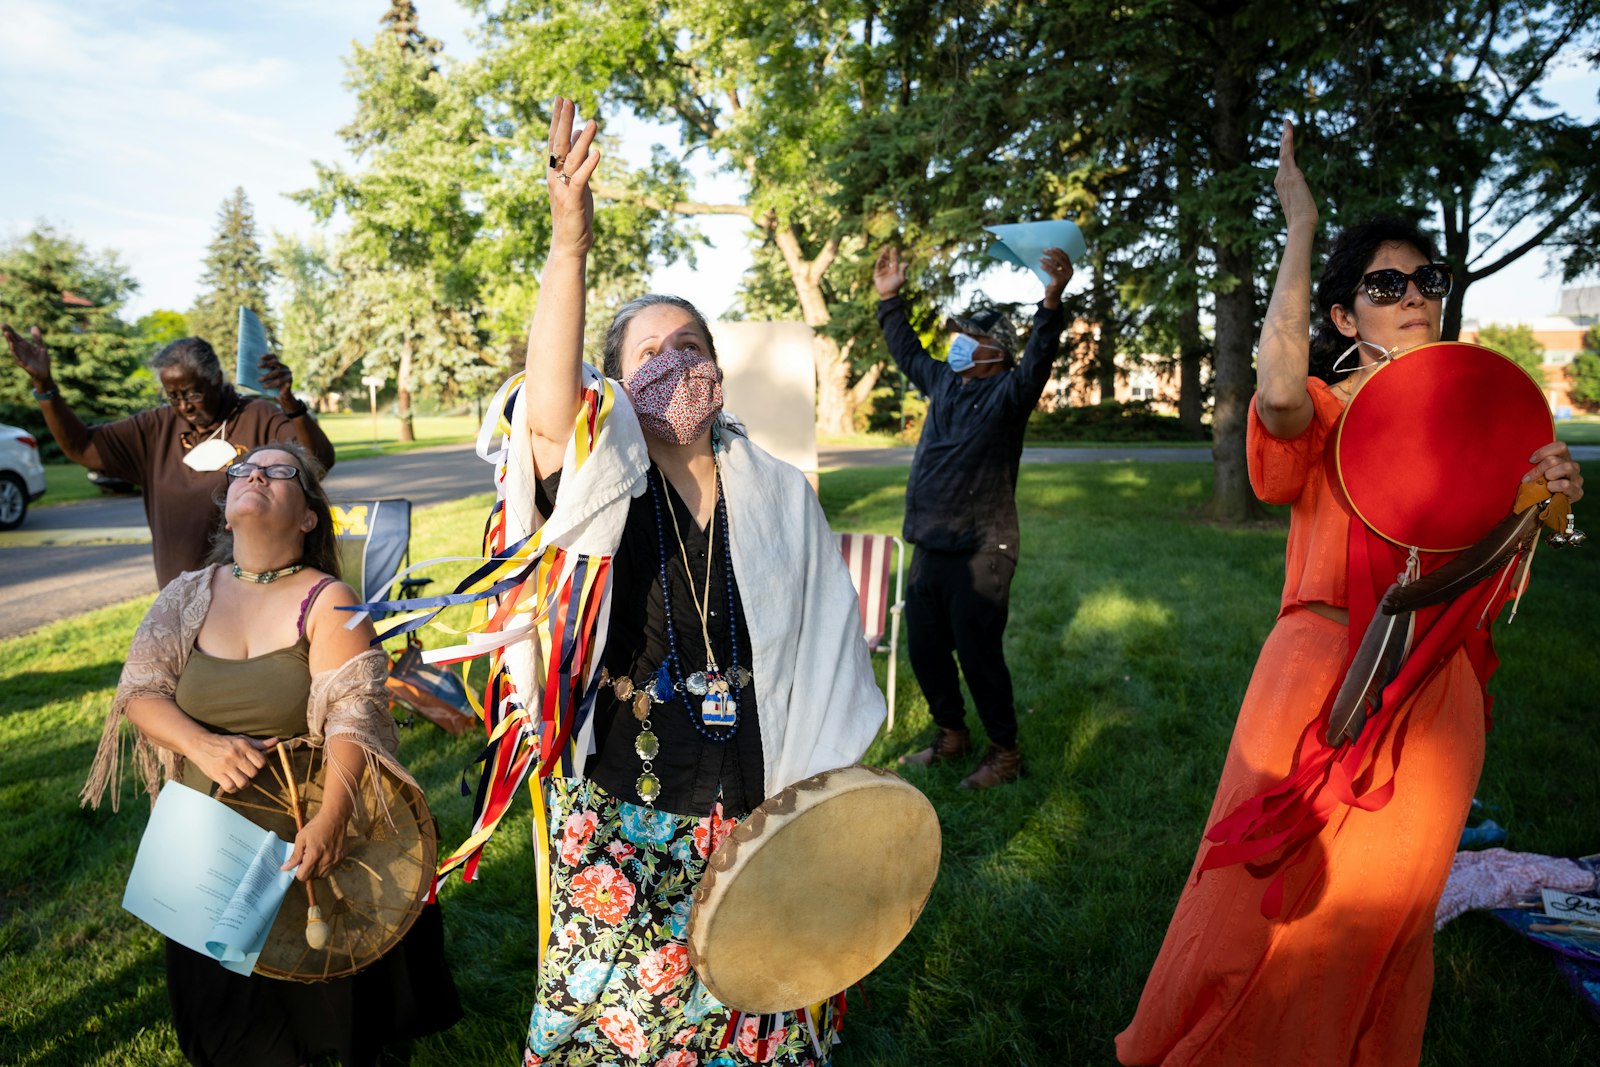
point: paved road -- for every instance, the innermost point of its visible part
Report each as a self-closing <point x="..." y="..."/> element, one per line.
<point x="60" y="563"/>
<point x="70" y="559"/>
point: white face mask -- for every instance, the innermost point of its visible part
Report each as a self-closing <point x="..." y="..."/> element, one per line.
<point x="1383" y="355"/>
<point x="212" y="454"/>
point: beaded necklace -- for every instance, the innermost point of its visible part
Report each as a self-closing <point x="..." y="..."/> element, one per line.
<point x="267" y="577"/>
<point x="717" y="718"/>
<point x="719" y="709"/>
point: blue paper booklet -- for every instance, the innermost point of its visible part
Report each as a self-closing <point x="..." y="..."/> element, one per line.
<point x="208" y="877"/>
<point x="252" y="346"/>
<point x="1022" y="244"/>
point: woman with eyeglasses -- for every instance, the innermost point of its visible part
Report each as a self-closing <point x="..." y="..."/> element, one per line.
<point x="232" y="658"/>
<point x="175" y="452"/>
<point x="1342" y="971"/>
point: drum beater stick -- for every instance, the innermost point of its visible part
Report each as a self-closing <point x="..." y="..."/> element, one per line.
<point x="316" y="928"/>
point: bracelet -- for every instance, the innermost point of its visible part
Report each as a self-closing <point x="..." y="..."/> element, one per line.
<point x="302" y="413"/>
<point x="51" y="393"/>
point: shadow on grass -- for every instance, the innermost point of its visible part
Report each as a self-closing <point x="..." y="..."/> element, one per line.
<point x="1132" y="638"/>
<point x="32" y="689"/>
<point x="108" y="1013"/>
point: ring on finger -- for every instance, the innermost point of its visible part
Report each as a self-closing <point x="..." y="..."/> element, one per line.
<point x="566" y="179"/>
<point x="557" y="161"/>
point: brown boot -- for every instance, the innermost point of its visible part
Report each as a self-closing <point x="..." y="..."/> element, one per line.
<point x="947" y="745"/>
<point x="998" y="766"/>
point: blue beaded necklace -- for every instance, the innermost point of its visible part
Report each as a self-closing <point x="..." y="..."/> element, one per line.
<point x="718" y="716"/>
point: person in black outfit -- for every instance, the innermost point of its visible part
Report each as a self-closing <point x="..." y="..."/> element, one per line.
<point x="961" y="508"/>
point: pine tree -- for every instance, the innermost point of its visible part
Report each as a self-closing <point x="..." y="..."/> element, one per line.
<point x="237" y="274"/>
<point x="53" y="282"/>
<point x="401" y="19"/>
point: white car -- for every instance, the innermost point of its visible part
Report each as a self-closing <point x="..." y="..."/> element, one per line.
<point x="21" y="475"/>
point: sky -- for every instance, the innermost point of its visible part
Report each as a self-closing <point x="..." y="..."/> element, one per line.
<point x="125" y="125"/>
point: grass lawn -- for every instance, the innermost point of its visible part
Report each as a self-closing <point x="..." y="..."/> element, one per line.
<point x="64" y="482"/>
<point x="1579" y="431"/>
<point x="1132" y="637"/>
<point x="353" y="438"/>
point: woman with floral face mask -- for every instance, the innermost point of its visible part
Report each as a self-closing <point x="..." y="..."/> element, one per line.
<point x="703" y="652"/>
<point x="1315" y="946"/>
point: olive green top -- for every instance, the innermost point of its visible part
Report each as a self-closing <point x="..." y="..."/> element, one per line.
<point x="262" y="696"/>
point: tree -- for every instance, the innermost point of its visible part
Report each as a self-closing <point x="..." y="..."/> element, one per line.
<point x="763" y="88"/>
<point x="159" y="328"/>
<point x="1518" y="344"/>
<point x="237" y="275"/>
<point x="54" y="282"/>
<point x="446" y="199"/>
<point x="406" y="266"/>
<point x="1507" y="171"/>
<point x="392" y="324"/>
<point x="311" y="302"/>
<point x="1584" y="373"/>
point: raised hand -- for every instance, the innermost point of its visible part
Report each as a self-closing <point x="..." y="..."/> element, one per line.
<point x="1058" y="265"/>
<point x="1299" y="206"/>
<point x="31" y="355"/>
<point x="572" y="162"/>
<point x="889" y="273"/>
<point x="279" y="379"/>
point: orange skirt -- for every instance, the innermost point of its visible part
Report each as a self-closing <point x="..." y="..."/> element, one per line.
<point x="1344" y="977"/>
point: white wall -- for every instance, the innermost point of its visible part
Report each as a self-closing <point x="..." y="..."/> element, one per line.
<point x="769" y="381"/>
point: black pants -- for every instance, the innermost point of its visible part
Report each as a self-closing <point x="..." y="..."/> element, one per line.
<point x="958" y="603"/>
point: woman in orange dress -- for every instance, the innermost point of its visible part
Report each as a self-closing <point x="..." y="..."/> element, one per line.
<point x="1342" y="972"/>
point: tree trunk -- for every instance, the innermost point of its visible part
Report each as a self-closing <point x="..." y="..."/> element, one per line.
<point x="835" y="411"/>
<point x="1191" y="358"/>
<point x="1102" y="313"/>
<point x="1191" y="345"/>
<point x="835" y="406"/>
<point x="1457" y="246"/>
<point x="402" y="394"/>
<point x="1232" y="500"/>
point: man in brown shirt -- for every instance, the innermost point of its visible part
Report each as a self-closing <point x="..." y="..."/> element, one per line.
<point x="177" y="452"/>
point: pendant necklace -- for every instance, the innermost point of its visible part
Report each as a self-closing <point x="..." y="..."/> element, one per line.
<point x="266" y="577"/>
<point x="717" y="716"/>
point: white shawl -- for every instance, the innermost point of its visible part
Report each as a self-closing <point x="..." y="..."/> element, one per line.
<point x="818" y="703"/>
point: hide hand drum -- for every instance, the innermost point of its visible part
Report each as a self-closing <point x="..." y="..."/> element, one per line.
<point x="813" y="890"/>
<point x="373" y="896"/>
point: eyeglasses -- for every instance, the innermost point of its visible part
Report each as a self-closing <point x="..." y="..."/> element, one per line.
<point x="277" y="471"/>
<point x="1387" y="286"/>
<point x="193" y="396"/>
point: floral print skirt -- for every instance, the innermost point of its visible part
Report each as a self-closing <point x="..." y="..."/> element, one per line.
<point x="615" y="985"/>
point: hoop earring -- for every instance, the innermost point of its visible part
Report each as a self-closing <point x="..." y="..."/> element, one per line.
<point x="1383" y="355"/>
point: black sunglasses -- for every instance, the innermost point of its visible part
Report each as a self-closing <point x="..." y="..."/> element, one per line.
<point x="279" y="471"/>
<point x="1388" y="286"/>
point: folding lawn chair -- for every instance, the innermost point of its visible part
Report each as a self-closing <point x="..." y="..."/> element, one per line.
<point x="867" y="557"/>
<point x="374" y="544"/>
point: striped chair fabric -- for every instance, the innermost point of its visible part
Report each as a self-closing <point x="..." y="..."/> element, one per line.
<point x="877" y="567"/>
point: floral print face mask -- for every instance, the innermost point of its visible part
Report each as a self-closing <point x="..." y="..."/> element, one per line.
<point x="676" y="393"/>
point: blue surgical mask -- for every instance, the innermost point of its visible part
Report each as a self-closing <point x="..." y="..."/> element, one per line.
<point x="962" y="348"/>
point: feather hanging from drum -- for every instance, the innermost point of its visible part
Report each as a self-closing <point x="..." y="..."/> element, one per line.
<point x="1504" y="544"/>
<point x="1377" y="661"/>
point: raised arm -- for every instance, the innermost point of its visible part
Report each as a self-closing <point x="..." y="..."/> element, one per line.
<point x="889" y="277"/>
<point x="555" y="339"/>
<point x="280" y="379"/>
<point x="74" y="438"/>
<point x="1284" y="354"/>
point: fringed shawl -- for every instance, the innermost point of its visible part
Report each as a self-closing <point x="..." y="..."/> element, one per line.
<point x="347" y="702"/>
